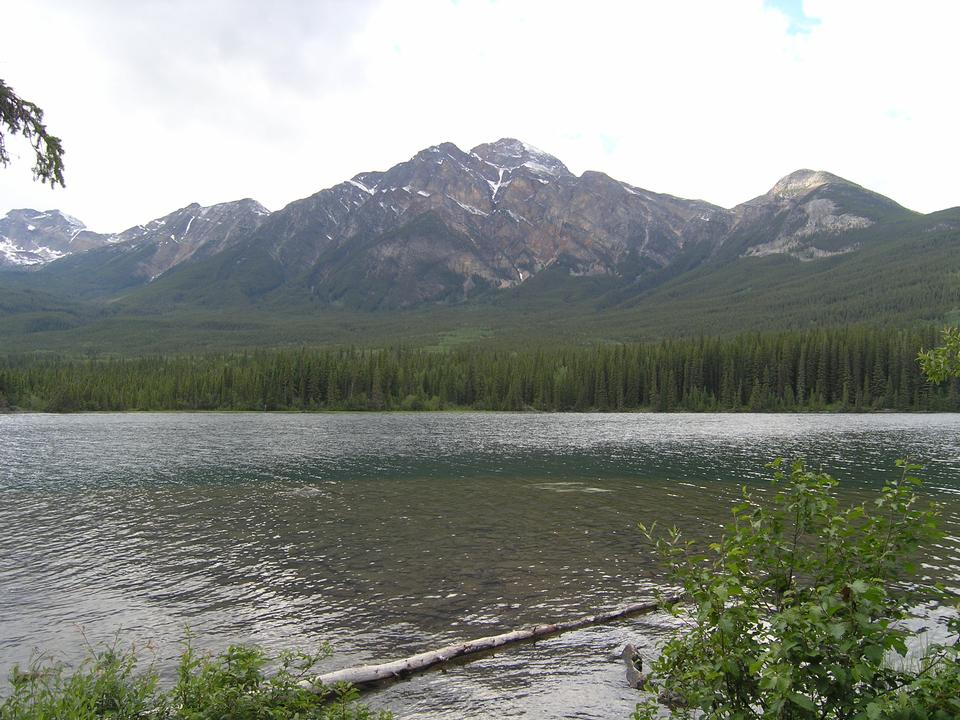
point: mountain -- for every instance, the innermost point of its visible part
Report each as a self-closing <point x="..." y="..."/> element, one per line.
<point x="29" y="238"/>
<point x="448" y="224"/>
<point x="494" y="242"/>
<point x="808" y="214"/>
<point x="190" y="233"/>
<point x="140" y="254"/>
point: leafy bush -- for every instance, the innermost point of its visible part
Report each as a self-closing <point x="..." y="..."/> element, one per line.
<point x="104" y="685"/>
<point x="795" y="612"/>
<point x="235" y="685"/>
<point x="942" y="362"/>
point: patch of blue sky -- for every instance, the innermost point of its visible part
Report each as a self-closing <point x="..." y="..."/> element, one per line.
<point x="793" y="9"/>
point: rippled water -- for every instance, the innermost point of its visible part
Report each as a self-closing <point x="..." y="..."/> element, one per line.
<point x="389" y="534"/>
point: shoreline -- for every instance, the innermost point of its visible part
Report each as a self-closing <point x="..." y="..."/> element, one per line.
<point x="466" y="411"/>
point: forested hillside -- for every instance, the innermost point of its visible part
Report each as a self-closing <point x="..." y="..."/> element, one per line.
<point x="842" y="369"/>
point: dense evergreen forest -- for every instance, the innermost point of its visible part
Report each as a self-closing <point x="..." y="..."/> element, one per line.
<point x="841" y="369"/>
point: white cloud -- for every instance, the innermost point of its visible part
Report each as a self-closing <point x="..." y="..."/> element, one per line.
<point x="164" y="103"/>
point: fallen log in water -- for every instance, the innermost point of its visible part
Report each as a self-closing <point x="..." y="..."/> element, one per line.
<point x="367" y="674"/>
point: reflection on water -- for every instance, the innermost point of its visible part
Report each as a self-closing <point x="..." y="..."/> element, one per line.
<point x="391" y="534"/>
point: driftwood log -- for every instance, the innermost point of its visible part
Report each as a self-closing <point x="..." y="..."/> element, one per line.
<point x="397" y="669"/>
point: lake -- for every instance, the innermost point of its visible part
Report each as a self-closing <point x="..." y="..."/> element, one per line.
<point x="390" y="534"/>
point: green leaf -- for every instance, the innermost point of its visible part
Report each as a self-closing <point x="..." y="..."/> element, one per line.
<point x="803" y="701"/>
<point x="836" y="630"/>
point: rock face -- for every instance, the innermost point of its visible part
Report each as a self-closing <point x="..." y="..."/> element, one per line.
<point x="192" y="232"/>
<point x="448" y="223"/>
<point x="809" y="214"/>
<point x="29" y="238"/>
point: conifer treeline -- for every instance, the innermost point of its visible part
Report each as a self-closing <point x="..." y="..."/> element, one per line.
<point x="843" y="369"/>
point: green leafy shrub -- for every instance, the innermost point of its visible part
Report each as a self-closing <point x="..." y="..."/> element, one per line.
<point x="943" y="362"/>
<point x="795" y="612"/>
<point x="104" y="685"/>
<point x="235" y="684"/>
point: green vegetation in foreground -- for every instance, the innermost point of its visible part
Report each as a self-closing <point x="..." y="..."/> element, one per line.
<point x="795" y="612"/>
<point x="943" y="362"/>
<point x="234" y="684"/>
<point x="853" y="369"/>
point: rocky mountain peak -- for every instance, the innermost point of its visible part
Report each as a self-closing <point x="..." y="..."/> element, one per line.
<point x="244" y="205"/>
<point x="808" y="213"/>
<point x="32" y="238"/>
<point x="191" y="232"/>
<point x="800" y="182"/>
<point x="510" y="154"/>
<point x="48" y="219"/>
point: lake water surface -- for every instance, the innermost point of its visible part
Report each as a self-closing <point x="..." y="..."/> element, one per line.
<point x="390" y="534"/>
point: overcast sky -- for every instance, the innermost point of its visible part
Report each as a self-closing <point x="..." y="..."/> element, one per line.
<point x="163" y="103"/>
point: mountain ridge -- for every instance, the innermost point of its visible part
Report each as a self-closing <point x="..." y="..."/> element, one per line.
<point x="498" y="162"/>
<point x="454" y="228"/>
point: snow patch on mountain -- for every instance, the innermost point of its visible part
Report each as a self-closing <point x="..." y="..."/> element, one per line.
<point x="359" y="185"/>
<point x="469" y="208"/>
<point x="16" y="255"/>
<point x="496" y="185"/>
